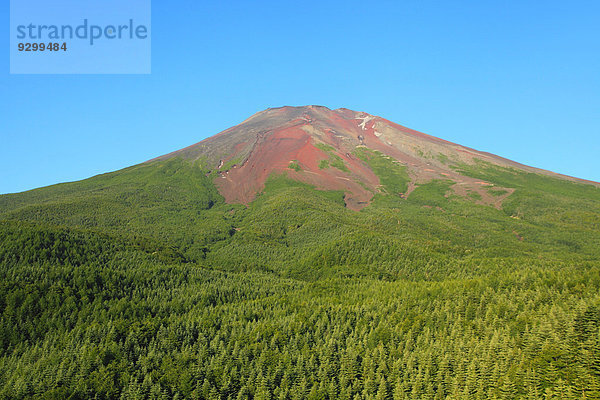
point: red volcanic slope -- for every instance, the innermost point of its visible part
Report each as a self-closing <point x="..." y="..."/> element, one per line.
<point x="269" y="141"/>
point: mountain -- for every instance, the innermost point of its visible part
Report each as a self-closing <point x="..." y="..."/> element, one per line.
<point x="308" y="142"/>
<point x="304" y="253"/>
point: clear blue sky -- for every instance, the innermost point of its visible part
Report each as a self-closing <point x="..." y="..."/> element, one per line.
<point x="520" y="79"/>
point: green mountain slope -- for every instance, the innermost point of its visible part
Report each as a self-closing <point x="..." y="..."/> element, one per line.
<point x="146" y="283"/>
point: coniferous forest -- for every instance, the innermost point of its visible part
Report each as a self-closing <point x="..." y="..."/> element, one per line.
<point x="145" y="284"/>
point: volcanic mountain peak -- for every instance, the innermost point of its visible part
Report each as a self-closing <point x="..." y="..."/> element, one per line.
<point x="338" y="150"/>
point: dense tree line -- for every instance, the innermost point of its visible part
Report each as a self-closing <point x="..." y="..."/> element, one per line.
<point x="154" y="331"/>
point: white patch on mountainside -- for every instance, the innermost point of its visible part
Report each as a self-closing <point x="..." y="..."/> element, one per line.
<point x="364" y="120"/>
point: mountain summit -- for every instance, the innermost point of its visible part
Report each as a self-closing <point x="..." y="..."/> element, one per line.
<point x="337" y="150"/>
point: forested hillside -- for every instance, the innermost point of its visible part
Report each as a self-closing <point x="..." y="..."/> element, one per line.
<point x="145" y="283"/>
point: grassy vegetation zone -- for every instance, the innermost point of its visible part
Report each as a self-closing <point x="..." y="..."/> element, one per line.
<point x="443" y="158"/>
<point x="337" y="162"/>
<point x="334" y="160"/>
<point x="393" y="177"/>
<point x="496" y="192"/>
<point x="151" y="201"/>
<point x="475" y="196"/>
<point x="433" y="193"/>
<point x="145" y="284"/>
<point x="325" y="147"/>
<point x="229" y="164"/>
<point x="295" y="166"/>
<point x="297" y="231"/>
<point x="561" y="211"/>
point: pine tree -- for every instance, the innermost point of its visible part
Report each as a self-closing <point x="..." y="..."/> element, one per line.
<point x="383" y="390"/>
<point x="263" y="390"/>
